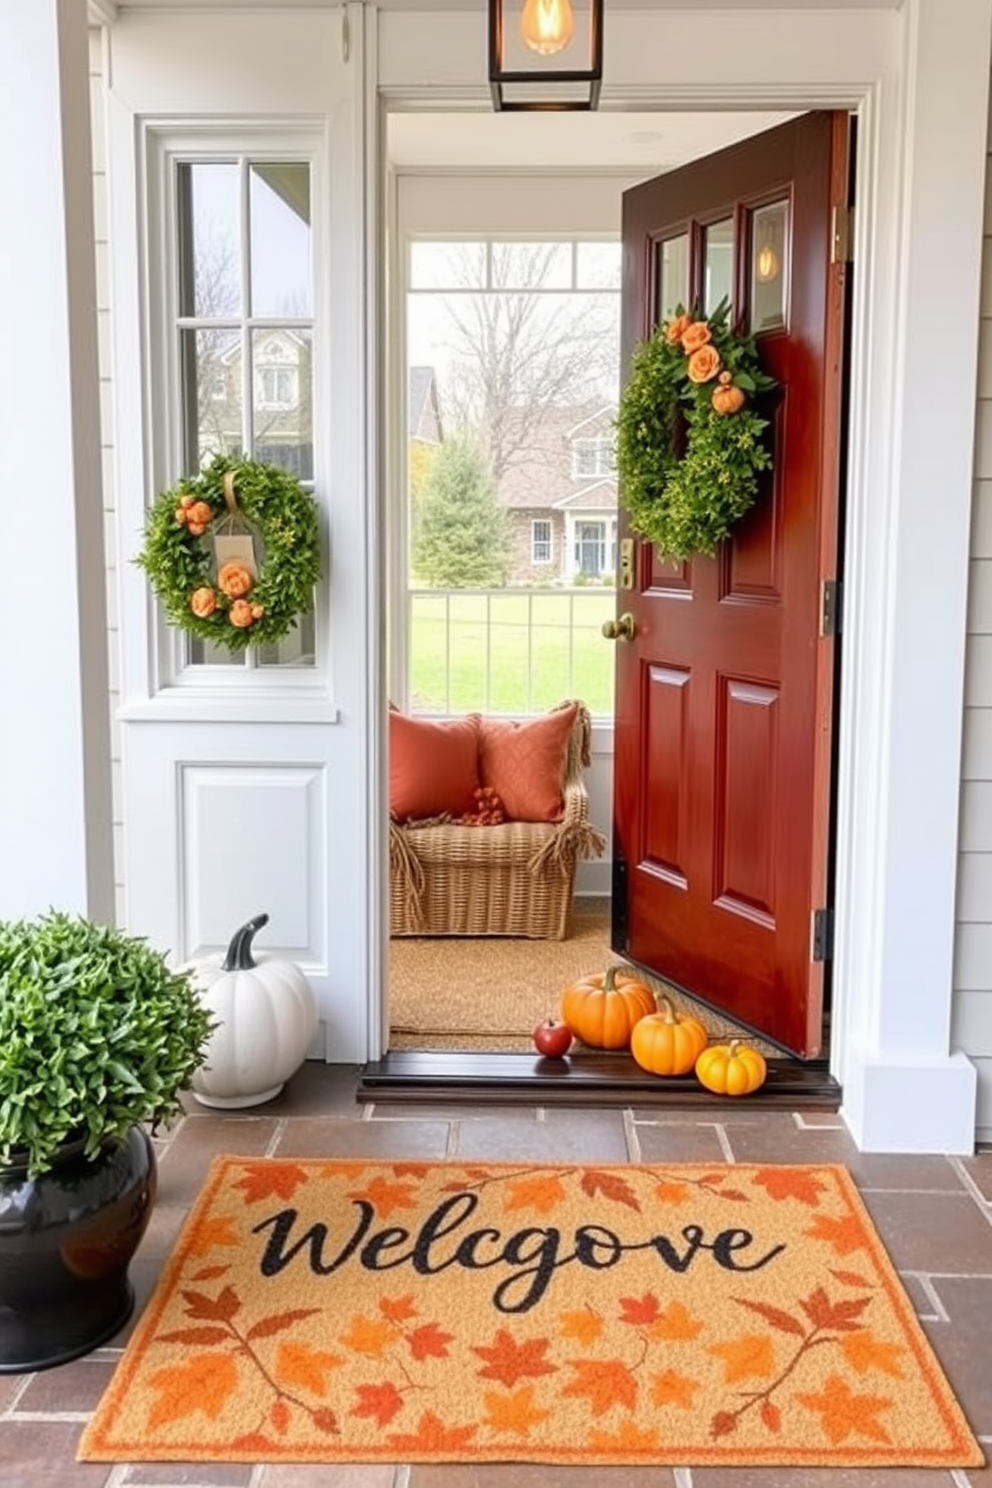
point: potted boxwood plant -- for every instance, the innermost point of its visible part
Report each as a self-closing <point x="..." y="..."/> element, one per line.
<point x="98" y="1037"/>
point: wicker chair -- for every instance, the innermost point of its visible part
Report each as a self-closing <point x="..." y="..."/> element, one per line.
<point x="513" y="879"/>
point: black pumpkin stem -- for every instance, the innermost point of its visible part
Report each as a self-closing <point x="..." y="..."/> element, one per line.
<point x="239" y="956"/>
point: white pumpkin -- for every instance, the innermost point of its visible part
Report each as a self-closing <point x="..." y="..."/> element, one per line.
<point x="266" y="1016"/>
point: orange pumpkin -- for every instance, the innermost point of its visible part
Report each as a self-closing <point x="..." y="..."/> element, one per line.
<point x="731" y="1069"/>
<point x="667" y="1042"/>
<point x="603" y="1009"/>
<point x="728" y="398"/>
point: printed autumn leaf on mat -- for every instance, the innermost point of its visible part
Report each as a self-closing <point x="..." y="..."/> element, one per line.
<point x="263" y="1180"/>
<point x="509" y="1361"/>
<point x="604" y="1383"/>
<point x="545" y="1194"/>
<point x="845" y="1233"/>
<point x="514" y="1413"/>
<point x="752" y="1355"/>
<point x="585" y="1325"/>
<point x="672" y="1388"/>
<point x="386" y="1197"/>
<point x="204" y="1383"/>
<point x="844" y="1413"/>
<point x="791" y="1183"/>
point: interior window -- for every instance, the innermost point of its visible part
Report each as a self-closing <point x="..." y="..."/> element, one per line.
<point x="512" y="389"/>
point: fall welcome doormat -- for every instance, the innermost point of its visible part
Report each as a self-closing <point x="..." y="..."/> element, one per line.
<point x="331" y="1311"/>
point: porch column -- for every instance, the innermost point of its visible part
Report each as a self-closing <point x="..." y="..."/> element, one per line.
<point x="905" y="1088"/>
<point x="56" y="844"/>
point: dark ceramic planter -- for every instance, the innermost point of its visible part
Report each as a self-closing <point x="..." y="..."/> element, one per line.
<point x="66" y="1240"/>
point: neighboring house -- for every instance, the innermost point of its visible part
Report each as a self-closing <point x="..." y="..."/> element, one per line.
<point x="423" y="409"/>
<point x="282" y="403"/>
<point x="561" y="496"/>
<point x="217" y="791"/>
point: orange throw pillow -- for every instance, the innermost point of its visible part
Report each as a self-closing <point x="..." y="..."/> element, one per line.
<point x="433" y="765"/>
<point x="525" y="763"/>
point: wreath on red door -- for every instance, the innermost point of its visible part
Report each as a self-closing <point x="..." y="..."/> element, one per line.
<point x="234" y="552"/>
<point x="689" y="441"/>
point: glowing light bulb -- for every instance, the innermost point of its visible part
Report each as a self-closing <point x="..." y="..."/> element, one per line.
<point x="767" y="264"/>
<point x="546" y="25"/>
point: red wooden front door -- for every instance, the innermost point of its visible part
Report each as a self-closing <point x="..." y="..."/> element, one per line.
<point x="725" y="694"/>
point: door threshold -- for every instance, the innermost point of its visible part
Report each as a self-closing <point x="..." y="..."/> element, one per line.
<point x="414" y="1075"/>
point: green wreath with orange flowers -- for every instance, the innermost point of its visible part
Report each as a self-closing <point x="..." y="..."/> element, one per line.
<point x="689" y="439"/>
<point x="234" y="552"/>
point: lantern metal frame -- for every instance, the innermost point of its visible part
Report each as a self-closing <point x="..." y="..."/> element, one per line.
<point x="500" y="76"/>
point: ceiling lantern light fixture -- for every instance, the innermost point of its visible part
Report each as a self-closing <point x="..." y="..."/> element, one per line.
<point x="546" y="27"/>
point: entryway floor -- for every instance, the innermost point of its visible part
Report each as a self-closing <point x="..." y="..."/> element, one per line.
<point x="933" y="1213"/>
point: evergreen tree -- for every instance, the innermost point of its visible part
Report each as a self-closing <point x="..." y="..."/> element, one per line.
<point x="460" y="533"/>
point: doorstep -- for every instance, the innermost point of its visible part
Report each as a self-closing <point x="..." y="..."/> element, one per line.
<point x="411" y="1075"/>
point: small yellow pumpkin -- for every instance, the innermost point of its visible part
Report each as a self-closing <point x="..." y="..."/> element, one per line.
<point x="667" y="1042"/>
<point x="728" y="398"/>
<point x="602" y="1009"/>
<point x="731" y="1069"/>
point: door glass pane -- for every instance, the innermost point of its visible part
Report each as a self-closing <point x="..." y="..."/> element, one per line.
<point x="211" y="391"/>
<point x="209" y="240"/>
<point x="769" y="265"/>
<point x="279" y="205"/>
<point x="718" y="264"/>
<point x="673" y="276"/>
<point x="282" y="416"/>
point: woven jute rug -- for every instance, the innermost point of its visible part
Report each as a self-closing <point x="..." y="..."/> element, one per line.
<point x="490" y="992"/>
<point x="328" y="1311"/>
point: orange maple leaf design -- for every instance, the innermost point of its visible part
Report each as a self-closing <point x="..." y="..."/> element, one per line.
<point x="672" y="1388"/>
<point x="844" y="1234"/>
<point x="278" y="1180"/>
<point x="219" y="1309"/>
<point x="218" y="1229"/>
<point x="204" y="1383"/>
<point x="369" y="1336"/>
<point x="671" y="1193"/>
<point x="839" y="1317"/>
<point x="627" y="1438"/>
<point x="843" y="1413"/>
<point x="429" y="1341"/>
<point x="638" y="1310"/>
<point x="783" y="1321"/>
<point x="432" y="1435"/>
<point x="209" y="1273"/>
<point x="398" y="1309"/>
<point x="541" y="1193"/>
<point x="611" y="1187"/>
<point x="674" y="1324"/>
<point x="604" y="1382"/>
<point x="849" y="1278"/>
<point x="509" y="1361"/>
<point x="381" y="1402"/>
<point x="516" y="1413"/>
<point x="278" y="1322"/>
<point x="863" y="1351"/>
<point x="585" y="1325"/>
<point x="751" y="1356"/>
<point x="385" y="1196"/>
<point x="791" y="1183"/>
<point x="299" y="1364"/>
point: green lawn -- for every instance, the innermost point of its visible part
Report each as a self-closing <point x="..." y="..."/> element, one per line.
<point x="561" y="651"/>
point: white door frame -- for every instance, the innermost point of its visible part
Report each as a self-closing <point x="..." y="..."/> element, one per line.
<point x="920" y="88"/>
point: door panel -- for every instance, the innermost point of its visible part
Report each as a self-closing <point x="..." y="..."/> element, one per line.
<point x="725" y="695"/>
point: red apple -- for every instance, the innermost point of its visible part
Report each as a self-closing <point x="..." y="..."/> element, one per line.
<point x="552" y="1039"/>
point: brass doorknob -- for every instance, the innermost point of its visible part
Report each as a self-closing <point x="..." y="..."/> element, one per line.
<point x="620" y="630"/>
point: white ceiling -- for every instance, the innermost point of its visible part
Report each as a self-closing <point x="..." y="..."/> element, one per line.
<point x="639" y="143"/>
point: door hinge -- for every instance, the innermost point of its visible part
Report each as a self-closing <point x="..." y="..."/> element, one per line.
<point x="842" y="234"/>
<point x="823" y="935"/>
<point x="831" y="598"/>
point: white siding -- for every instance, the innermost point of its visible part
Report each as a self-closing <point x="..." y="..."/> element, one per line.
<point x="104" y="301"/>
<point x="972" y="1011"/>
